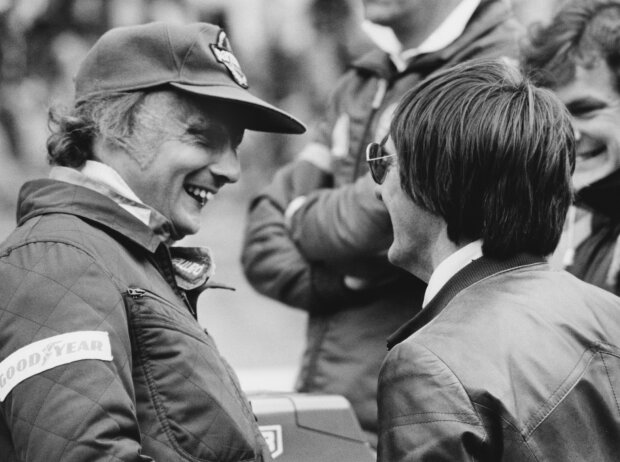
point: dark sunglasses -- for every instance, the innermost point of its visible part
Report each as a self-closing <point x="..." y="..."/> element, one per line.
<point x="379" y="160"/>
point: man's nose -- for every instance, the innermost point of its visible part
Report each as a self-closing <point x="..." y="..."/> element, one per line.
<point x="227" y="167"/>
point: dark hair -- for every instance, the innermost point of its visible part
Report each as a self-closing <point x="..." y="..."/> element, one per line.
<point x="111" y="116"/>
<point x="580" y="33"/>
<point x="482" y="147"/>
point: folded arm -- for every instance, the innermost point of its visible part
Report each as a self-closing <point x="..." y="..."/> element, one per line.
<point x="336" y="224"/>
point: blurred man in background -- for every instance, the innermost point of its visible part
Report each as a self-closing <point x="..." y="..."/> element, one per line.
<point x="533" y="11"/>
<point x="577" y="56"/>
<point x="509" y="360"/>
<point x="317" y="236"/>
<point x="101" y="354"/>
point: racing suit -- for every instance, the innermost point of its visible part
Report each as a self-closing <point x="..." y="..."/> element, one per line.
<point x="90" y="289"/>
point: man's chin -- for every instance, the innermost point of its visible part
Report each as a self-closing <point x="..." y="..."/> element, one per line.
<point x="396" y="257"/>
<point x="408" y="262"/>
<point x="378" y="14"/>
<point x="185" y="228"/>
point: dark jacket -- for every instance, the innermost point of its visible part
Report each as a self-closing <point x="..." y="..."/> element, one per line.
<point x="79" y="263"/>
<point x="594" y="256"/>
<point x="511" y="361"/>
<point x="342" y="228"/>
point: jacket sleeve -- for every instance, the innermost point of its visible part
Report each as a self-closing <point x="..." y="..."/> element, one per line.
<point x="425" y="413"/>
<point x="342" y="223"/>
<point x="275" y="267"/>
<point x="84" y="407"/>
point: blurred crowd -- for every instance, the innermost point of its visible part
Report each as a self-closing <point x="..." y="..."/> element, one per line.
<point x="292" y="51"/>
<point x="307" y="42"/>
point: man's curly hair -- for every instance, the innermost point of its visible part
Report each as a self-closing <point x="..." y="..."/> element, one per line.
<point x="581" y="32"/>
<point x="110" y="116"/>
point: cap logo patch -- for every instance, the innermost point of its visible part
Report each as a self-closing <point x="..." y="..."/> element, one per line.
<point x="223" y="54"/>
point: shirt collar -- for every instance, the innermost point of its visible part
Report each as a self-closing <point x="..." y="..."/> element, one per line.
<point x="450" y="266"/>
<point x="447" y="32"/>
<point x="105" y="174"/>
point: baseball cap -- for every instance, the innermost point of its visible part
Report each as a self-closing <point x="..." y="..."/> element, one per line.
<point x="195" y="58"/>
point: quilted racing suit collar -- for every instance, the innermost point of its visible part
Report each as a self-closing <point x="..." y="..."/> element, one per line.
<point x="193" y="266"/>
<point x="46" y="196"/>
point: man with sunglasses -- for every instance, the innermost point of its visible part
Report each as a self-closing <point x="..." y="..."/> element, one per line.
<point x="317" y="236"/>
<point x="509" y="359"/>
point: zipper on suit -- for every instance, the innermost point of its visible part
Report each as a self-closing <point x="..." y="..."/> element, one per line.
<point x="137" y="293"/>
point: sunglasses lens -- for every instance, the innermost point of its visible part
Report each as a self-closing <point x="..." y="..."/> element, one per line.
<point x="378" y="162"/>
<point x="380" y="170"/>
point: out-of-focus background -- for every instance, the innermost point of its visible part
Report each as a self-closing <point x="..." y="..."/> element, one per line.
<point x="292" y="52"/>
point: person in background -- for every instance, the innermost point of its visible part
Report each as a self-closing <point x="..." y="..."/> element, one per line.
<point x="316" y="236"/>
<point x="101" y="353"/>
<point x="509" y="359"/>
<point x="576" y="55"/>
<point x="529" y="12"/>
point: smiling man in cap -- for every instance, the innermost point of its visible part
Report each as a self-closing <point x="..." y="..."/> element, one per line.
<point x="101" y="355"/>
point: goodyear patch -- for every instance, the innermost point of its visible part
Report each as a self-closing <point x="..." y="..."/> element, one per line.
<point x="48" y="353"/>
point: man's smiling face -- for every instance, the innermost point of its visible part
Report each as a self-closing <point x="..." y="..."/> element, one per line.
<point x="194" y="154"/>
<point x="594" y="103"/>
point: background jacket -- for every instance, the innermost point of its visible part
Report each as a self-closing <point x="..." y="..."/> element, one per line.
<point x="522" y="365"/>
<point x="342" y="228"/>
<point x="597" y="258"/>
<point x="80" y="263"/>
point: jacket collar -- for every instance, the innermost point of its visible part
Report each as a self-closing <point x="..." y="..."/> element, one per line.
<point x="475" y="271"/>
<point x="46" y="196"/>
<point x="448" y="32"/>
<point x="488" y="15"/>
